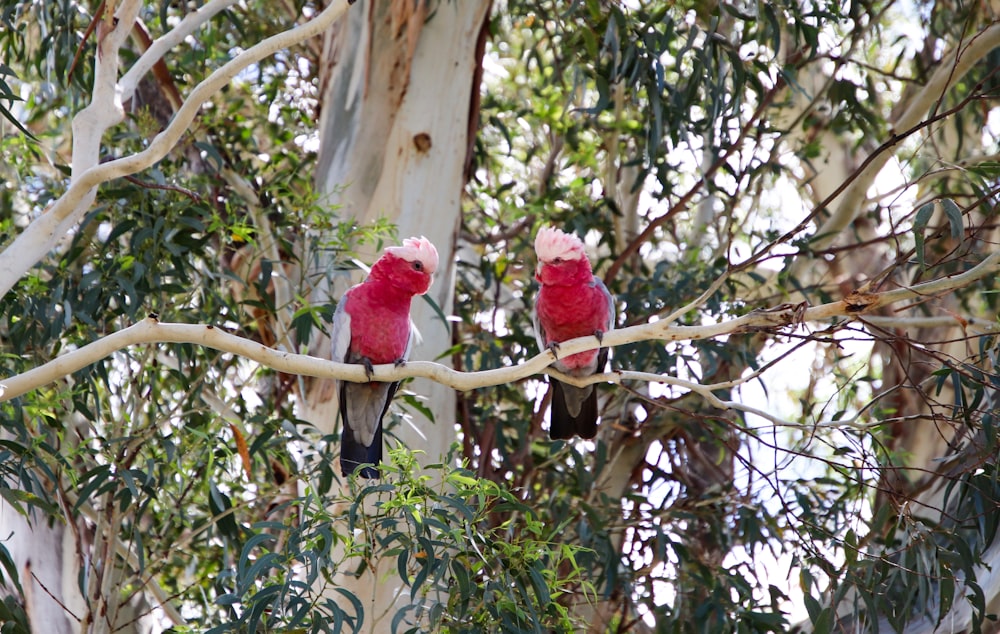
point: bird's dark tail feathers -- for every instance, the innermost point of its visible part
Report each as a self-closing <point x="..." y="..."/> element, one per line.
<point x="353" y="454"/>
<point x="563" y="424"/>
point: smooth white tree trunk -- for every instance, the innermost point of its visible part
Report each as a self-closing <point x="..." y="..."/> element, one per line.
<point x="397" y="83"/>
<point x="46" y="575"/>
<point x="394" y="135"/>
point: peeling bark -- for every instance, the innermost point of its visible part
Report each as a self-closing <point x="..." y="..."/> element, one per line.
<point x="397" y="81"/>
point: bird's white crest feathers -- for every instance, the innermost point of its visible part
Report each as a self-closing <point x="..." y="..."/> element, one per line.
<point x="417" y="249"/>
<point x="552" y="243"/>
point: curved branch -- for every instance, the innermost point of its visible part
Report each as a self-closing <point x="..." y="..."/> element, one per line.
<point x="853" y="197"/>
<point x="935" y="287"/>
<point x="151" y="330"/>
<point x="32" y="244"/>
<point x="167" y="41"/>
<point x="977" y="325"/>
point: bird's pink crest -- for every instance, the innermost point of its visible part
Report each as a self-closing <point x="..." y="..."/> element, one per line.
<point x="551" y="243"/>
<point x="417" y="249"/>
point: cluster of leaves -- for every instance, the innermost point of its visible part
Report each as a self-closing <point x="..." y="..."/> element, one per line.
<point x="919" y="561"/>
<point x="432" y="527"/>
<point x="598" y="85"/>
<point x="200" y="497"/>
<point x="582" y="105"/>
<point x="133" y="451"/>
<point x="662" y="519"/>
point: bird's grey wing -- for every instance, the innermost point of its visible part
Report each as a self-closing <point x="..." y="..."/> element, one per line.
<point x="415" y="338"/>
<point x="361" y="440"/>
<point x="537" y="325"/>
<point x="414" y="334"/>
<point x="362" y="407"/>
<point x="602" y="358"/>
<point x="340" y="332"/>
<point x="609" y="298"/>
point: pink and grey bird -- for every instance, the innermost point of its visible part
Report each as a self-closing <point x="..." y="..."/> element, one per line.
<point x="371" y="326"/>
<point x="571" y="303"/>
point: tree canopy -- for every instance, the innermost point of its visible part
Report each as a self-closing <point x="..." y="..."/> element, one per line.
<point x="793" y="203"/>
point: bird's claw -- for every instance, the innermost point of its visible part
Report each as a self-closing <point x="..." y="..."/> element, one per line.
<point x="554" y="348"/>
<point x="600" y="335"/>
<point x="369" y="368"/>
<point x="400" y="362"/>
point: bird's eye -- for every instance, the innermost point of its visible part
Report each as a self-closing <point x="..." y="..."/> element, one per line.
<point x="557" y="261"/>
<point x="418" y="266"/>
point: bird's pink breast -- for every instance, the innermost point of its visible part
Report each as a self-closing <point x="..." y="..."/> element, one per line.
<point x="380" y="323"/>
<point x="568" y="312"/>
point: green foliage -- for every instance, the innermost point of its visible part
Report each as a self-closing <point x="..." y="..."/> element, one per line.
<point x="686" y="104"/>
<point x="435" y="527"/>
<point x="465" y="571"/>
<point x="670" y="136"/>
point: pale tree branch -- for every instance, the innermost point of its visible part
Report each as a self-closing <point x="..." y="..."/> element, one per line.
<point x="708" y="393"/>
<point x="931" y="176"/>
<point x="974" y="324"/>
<point x="152" y="331"/>
<point x="105" y="110"/>
<point x="955" y="65"/>
<point x="163" y="44"/>
<point x="36" y="240"/>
